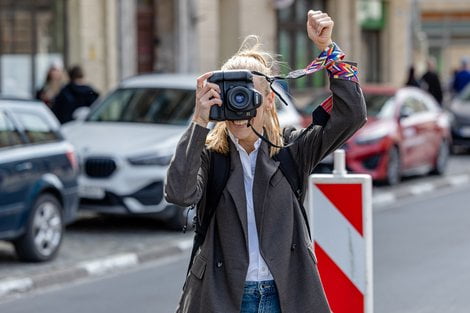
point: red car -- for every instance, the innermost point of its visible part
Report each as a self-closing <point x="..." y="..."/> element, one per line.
<point x="407" y="133"/>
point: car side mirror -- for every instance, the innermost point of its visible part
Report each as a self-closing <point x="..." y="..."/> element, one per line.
<point x="81" y="113"/>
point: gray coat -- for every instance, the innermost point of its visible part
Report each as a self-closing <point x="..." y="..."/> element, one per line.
<point x="216" y="280"/>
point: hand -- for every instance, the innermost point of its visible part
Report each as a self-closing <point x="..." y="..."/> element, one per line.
<point x="319" y="28"/>
<point x="207" y="94"/>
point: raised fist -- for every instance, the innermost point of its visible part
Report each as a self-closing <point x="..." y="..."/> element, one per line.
<point x="319" y="28"/>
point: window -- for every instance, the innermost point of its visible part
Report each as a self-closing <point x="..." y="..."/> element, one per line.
<point x="412" y="105"/>
<point x="36" y="128"/>
<point x="294" y="46"/>
<point x="146" y="105"/>
<point x="9" y="136"/>
<point x="32" y="38"/>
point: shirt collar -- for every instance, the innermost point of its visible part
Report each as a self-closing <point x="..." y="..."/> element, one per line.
<point x="238" y="146"/>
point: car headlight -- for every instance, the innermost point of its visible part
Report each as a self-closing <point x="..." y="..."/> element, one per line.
<point x="150" y="159"/>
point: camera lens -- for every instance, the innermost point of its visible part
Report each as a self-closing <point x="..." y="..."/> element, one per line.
<point x="239" y="98"/>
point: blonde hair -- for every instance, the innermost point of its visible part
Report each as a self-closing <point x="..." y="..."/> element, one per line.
<point x="251" y="57"/>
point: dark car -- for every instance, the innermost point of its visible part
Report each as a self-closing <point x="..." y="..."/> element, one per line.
<point x="460" y="117"/>
<point x="38" y="180"/>
<point x="407" y="133"/>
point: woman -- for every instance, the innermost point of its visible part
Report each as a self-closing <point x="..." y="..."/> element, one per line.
<point x="260" y="259"/>
<point x="54" y="82"/>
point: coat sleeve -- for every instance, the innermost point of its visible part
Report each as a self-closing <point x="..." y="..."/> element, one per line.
<point x="347" y="115"/>
<point x="187" y="174"/>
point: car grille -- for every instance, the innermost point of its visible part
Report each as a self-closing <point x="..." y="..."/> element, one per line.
<point x="99" y="167"/>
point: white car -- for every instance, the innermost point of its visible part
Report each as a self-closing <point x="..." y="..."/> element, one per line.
<point x="126" y="141"/>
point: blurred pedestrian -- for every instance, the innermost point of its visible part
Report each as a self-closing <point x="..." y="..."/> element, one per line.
<point x="411" y="78"/>
<point x="431" y="82"/>
<point x="462" y="77"/>
<point x="74" y="95"/>
<point x="54" y="82"/>
<point x="256" y="255"/>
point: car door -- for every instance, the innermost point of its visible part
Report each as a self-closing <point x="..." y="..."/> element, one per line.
<point x="14" y="181"/>
<point x="415" y="130"/>
<point x="435" y="123"/>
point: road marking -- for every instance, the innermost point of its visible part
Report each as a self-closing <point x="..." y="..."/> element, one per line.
<point x="458" y="180"/>
<point x="383" y="198"/>
<point x="110" y="263"/>
<point x="8" y="286"/>
<point x="184" y="245"/>
<point x="421" y="188"/>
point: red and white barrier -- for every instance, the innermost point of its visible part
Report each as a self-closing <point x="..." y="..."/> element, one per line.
<point x="340" y="209"/>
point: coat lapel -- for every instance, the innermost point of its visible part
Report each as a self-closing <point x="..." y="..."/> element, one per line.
<point x="265" y="169"/>
<point x="236" y="188"/>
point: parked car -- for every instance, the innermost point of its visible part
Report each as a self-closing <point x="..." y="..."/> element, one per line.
<point x="38" y="179"/>
<point x="407" y="133"/>
<point x="126" y="141"/>
<point x="460" y="117"/>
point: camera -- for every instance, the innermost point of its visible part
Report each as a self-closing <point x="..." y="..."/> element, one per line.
<point x="239" y="97"/>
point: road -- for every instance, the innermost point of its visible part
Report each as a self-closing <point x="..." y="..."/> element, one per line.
<point x="421" y="254"/>
<point x="152" y="288"/>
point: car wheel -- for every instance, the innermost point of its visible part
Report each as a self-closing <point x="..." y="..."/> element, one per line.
<point x="393" y="167"/>
<point x="44" y="231"/>
<point x="441" y="159"/>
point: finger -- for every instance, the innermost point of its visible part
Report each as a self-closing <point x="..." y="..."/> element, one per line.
<point x="215" y="101"/>
<point x="206" y="89"/>
<point x="324" y="25"/>
<point x="200" y="80"/>
<point x="315" y="21"/>
<point x="209" y="94"/>
<point x="214" y="86"/>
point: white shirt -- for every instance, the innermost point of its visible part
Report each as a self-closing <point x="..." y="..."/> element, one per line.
<point x="257" y="269"/>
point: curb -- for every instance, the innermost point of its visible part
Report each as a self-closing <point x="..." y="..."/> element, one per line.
<point x="15" y="285"/>
<point x="385" y="198"/>
<point x="108" y="264"/>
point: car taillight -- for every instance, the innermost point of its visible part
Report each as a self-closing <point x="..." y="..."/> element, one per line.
<point x="72" y="159"/>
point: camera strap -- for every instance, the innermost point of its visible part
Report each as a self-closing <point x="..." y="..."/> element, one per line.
<point x="327" y="58"/>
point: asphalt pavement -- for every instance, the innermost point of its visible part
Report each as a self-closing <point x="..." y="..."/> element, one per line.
<point x="96" y="246"/>
<point x="421" y="254"/>
<point x="151" y="288"/>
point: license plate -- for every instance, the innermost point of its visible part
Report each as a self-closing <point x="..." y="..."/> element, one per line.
<point x="465" y="131"/>
<point x="91" y="192"/>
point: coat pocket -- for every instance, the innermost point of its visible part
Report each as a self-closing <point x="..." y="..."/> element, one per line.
<point x="199" y="266"/>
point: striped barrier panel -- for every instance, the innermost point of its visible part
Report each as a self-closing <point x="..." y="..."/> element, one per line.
<point x="340" y="214"/>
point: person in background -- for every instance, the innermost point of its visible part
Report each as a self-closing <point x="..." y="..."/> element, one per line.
<point x="54" y="82"/>
<point x="74" y="95"/>
<point x="431" y="82"/>
<point x="462" y="77"/>
<point x="411" y="78"/>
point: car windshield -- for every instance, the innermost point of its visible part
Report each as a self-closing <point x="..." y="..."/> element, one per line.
<point x="379" y="105"/>
<point x="146" y="105"/>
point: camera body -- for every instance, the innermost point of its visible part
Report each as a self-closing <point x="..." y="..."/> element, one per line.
<point x="239" y="97"/>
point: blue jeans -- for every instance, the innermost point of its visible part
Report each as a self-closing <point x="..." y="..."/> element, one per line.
<point x="260" y="297"/>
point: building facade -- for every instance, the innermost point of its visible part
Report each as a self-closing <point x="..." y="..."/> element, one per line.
<point x="114" y="39"/>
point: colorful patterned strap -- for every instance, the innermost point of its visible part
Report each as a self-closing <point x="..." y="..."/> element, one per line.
<point x="343" y="70"/>
<point x="331" y="59"/>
